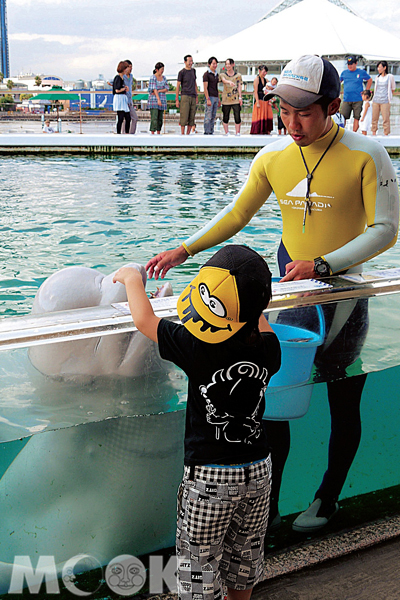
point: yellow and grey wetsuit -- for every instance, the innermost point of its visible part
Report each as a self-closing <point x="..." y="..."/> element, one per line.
<point x="354" y="193"/>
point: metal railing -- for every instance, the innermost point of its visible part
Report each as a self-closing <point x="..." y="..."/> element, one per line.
<point x="33" y="330"/>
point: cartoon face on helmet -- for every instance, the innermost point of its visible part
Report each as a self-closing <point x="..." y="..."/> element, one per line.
<point x="209" y="306"/>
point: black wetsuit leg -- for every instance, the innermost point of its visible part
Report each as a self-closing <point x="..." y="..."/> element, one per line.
<point x="344" y="397"/>
<point x="344" y="401"/>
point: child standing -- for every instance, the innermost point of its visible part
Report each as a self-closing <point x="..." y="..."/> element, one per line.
<point x="366" y="116"/>
<point x="229" y="352"/>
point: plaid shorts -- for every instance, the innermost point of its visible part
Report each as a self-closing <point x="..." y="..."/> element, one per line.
<point x="222" y="520"/>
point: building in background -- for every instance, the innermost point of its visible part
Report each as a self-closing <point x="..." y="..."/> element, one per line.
<point x="4" y="53"/>
<point x="31" y="81"/>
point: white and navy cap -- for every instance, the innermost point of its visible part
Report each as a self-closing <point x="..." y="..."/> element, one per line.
<point x="305" y="80"/>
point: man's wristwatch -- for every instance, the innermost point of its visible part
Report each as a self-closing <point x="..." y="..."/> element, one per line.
<point x="321" y="267"/>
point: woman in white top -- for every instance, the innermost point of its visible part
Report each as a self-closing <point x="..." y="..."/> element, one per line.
<point x="384" y="88"/>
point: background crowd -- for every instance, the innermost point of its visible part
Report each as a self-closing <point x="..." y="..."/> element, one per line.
<point x="358" y="99"/>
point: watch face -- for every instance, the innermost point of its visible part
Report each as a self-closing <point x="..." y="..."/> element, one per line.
<point x="322" y="269"/>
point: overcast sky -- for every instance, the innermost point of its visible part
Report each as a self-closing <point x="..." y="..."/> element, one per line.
<point x="83" y="38"/>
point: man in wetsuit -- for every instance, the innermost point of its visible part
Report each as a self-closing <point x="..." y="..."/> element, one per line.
<point x="339" y="201"/>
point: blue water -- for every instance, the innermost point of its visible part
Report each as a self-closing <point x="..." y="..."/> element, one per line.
<point x="101" y="212"/>
<point x="86" y="483"/>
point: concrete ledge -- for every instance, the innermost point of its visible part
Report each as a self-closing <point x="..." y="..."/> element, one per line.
<point x="317" y="552"/>
<point x="65" y="143"/>
<point x="336" y="545"/>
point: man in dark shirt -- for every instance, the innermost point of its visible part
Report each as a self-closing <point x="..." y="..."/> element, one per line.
<point x="189" y="98"/>
<point x="210" y="83"/>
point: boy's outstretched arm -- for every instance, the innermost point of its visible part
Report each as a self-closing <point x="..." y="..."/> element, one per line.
<point x="142" y="312"/>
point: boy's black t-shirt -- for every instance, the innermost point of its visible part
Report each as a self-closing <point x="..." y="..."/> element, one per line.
<point x="226" y="389"/>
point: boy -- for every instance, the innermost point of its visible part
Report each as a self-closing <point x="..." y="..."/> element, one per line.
<point x="229" y="352"/>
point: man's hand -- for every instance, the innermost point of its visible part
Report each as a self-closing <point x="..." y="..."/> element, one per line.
<point x="208" y="102"/>
<point x="299" y="269"/>
<point x="163" y="262"/>
<point x="177" y="103"/>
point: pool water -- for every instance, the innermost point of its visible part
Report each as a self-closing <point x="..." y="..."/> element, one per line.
<point x="102" y="213"/>
<point x="128" y="433"/>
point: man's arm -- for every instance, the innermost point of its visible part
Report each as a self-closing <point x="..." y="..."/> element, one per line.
<point x="178" y="85"/>
<point x="381" y="203"/>
<point x="205" y="86"/>
<point x="369" y="84"/>
<point x="229" y="221"/>
<point x="239" y="212"/>
<point x="240" y="92"/>
<point x="142" y="312"/>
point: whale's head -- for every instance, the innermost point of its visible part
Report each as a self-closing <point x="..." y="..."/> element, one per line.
<point x="118" y="355"/>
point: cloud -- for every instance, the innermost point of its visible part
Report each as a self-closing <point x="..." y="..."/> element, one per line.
<point x="85" y="57"/>
<point x="82" y="38"/>
<point x="65" y="40"/>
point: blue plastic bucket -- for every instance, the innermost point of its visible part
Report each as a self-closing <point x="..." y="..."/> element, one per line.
<point x="287" y="395"/>
<point x="287" y="402"/>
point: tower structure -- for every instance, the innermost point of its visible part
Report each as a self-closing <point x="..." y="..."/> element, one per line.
<point x="4" y="54"/>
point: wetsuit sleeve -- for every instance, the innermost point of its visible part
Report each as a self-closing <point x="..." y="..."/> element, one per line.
<point x="238" y="213"/>
<point x="380" y="194"/>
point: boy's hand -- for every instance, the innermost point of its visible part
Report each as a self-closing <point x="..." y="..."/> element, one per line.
<point x="126" y="273"/>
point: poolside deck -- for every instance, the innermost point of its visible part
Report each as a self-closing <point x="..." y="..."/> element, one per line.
<point x="143" y="143"/>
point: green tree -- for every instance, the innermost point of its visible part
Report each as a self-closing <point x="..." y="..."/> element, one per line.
<point x="7" y="102"/>
<point x="10" y="84"/>
<point x="26" y="96"/>
<point x="134" y="84"/>
<point x="171" y="87"/>
<point x="38" y="81"/>
<point x="1" y="77"/>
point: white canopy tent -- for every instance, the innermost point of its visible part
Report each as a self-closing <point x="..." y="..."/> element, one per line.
<point x="328" y="28"/>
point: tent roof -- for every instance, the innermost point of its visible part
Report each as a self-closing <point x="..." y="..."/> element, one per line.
<point x="306" y="27"/>
<point x="288" y="3"/>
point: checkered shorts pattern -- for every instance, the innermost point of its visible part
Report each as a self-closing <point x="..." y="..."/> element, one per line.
<point x="222" y="520"/>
